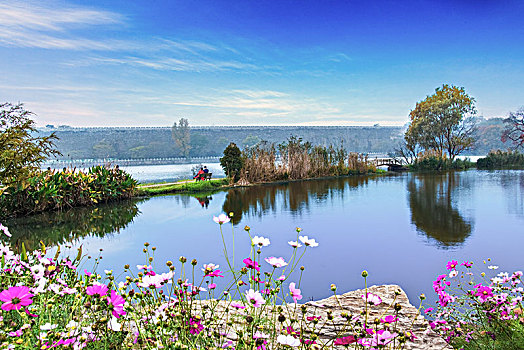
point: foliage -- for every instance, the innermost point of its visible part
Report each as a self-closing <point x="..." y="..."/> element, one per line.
<point x="502" y="160"/>
<point x="21" y="153"/>
<point x="514" y="130"/>
<point x="443" y="122"/>
<point x="435" y="163"/>
<point x="232" y="162"/>
<point x="473" y="314"/>
<point x="47" y="302"/>
<point x="57" y="190"/>
<point x="181" y="134"/>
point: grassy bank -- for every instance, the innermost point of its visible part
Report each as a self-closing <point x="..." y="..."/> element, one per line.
<point x="182" y="187"/>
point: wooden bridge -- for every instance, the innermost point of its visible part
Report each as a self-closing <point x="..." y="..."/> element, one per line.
<point x="393" y="164"/>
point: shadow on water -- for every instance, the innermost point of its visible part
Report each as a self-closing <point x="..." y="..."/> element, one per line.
<point x="57" y="228"/>
<point x="295" y="196"/>
<point x="433" y="211"/>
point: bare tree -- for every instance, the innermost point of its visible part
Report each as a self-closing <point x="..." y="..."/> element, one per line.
<point x="514" y="128"/>
<point x="182" y="136"/>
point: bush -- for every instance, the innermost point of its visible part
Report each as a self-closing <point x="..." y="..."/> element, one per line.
<point x="435" y="163"/>
<point x="502" y="160"/>
<point x="56" y="190"/>
<point x="232" y="162"/>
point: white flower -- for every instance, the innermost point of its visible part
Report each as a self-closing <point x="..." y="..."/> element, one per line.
<point x="38" y="271"/>
<point x="493" y="267"/>
<point x="261" y="241"/>
<point x="259" y="335"/>
<point x="40" y="286"/>
<point x="221" y="219"/>
<point x="497" y="280"/>
<point x="5" y="229"/>
<point x="307" y="241"/>
<point x="294" y="244"/>
<point x="288" y="340"/>
<point x="453" y="273"/>
<point x="210" y="267"/>
<point x="108" y="272"/>
<point x="276" y="262"/>
<point x="48" y="326"/>
<point x="72" y="325"/>
<point x="114" y="325"/>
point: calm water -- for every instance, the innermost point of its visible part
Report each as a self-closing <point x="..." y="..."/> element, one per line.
<point x="402" y="228"/>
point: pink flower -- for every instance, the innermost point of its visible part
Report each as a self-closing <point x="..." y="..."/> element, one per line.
<point x="468" y="264"/>
<point x="216" y="273"/>
<point x="17" y="333"/>
<point x="237" y="305"/>
<point x="250" y="264"/>
<point x="372" y="299"/>
<point x="98" y="288"/>
<point x="345" y="340"/>
<point x="276" y="262"/>
<point x="16" y="297"/>
<point x="389" y="319"/>
<point x="87" y="273"/>
<point x="282" y="278"/>
<point x="69" y="264"/>
<point x="452" y="265"/>
<point x="221" y="219"/>
<point x="484" y="293"/>
<point x="212" y="286"/>
<point x="5" y="230"/>
<point x="295" y="292"/>
<point x="118" y="304"/>
<point x="255" y="298"/>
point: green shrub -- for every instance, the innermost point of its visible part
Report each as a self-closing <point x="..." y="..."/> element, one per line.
<point x="502" y="160"/>
<point x="435" y="163"/>
<point x="56" y="190"/>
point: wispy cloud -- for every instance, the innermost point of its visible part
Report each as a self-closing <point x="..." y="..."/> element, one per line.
<point x="32" y="24"/>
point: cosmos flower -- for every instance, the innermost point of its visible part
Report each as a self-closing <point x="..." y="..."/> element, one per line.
<point x="294" y="244"/>
<point x="260" y="241"/>
<point x="15" y="297"/>
<point x="288" y="340"/>
<point x="276" y="262"/>
<point x="295" y="292"/>
<point x="97" y="288"/>
<point x="118" y="304"/>
<point x="452" y="265"/>
<point x="221" y="219"/>
<point x="308" y="241"/>
<point x="372" y="299"/>
<point x="255" y="298"/>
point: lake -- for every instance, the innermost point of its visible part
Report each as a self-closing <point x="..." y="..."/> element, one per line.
<point x="401" y="228"/>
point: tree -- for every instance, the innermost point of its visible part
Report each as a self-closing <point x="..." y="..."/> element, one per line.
<point x="232" y="162"/>
<point x="21" y="153"/>
<point x="182" y="136"/>
<point x="514" y="130"/>
<point x="443" y="123"/>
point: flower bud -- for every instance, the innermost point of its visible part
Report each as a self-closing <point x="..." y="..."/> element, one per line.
<point x="281" y="318"/>
<point x="169" y="263"/>
<point x="194" y="262"/>
<point x="365" y="274"/>
<point x="247" y="228"/>
<point x="146" y="244"/>
<point x="333" y="288"/>
<point x="302" y="268"/>
<point x="182" y="259"/>
<point x="126" y="266"/>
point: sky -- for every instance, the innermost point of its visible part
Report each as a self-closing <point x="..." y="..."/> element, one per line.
<point x="246" y="62"/>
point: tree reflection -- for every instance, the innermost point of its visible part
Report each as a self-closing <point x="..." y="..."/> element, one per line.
<point x="432" y="211"/>
<point x="294" y="196"/>
<point x="57" y="228"/>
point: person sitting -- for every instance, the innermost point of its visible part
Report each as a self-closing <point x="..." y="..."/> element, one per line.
<point x="200" y="175"/>
<point x="206" y="170"/>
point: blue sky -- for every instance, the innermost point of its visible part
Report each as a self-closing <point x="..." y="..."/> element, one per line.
<point x="139" y="63"/>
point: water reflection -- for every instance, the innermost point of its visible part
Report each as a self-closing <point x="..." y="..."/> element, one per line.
<point x="294" y="197"/>
<point x="57" y="228"/>
<point x="433" y="211"/>
<point x="204" y="201"/>
<point x="513" y="185"/>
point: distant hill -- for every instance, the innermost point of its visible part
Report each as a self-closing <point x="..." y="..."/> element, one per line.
<point x="156" y="142"/>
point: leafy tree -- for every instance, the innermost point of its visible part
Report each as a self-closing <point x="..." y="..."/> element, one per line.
<point x="21" y="153"/>
<point x="232" y="162"/>
<point x="514" y="130"/>
<point x="443" y="123"/>
<point x="182" y="136"/>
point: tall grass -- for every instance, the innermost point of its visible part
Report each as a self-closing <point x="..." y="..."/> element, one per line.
<point x="57" y="190"/>
<point x="299" y="160"/>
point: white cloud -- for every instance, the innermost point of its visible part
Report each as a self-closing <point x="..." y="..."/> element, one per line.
<point x="32" y="24"/>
